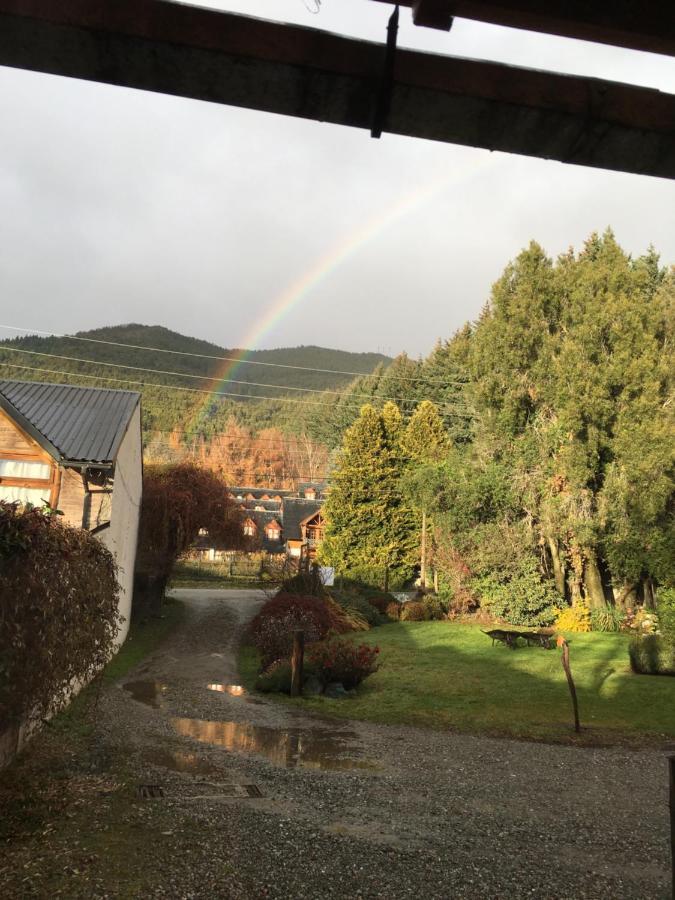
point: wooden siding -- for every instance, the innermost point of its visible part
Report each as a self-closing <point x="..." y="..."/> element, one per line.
<point x="71" y="497"/>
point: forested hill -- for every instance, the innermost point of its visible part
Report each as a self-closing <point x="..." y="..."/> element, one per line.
<point x="98" y="364"/>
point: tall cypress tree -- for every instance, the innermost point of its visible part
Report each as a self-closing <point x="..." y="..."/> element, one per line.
<point x="370" y="532"/>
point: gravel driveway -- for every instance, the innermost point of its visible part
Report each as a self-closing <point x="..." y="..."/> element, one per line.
<point x="260" y="800"/>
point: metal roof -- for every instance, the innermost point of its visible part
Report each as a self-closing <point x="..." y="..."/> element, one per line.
<point x="294" y="512"/>
<point x="74" y="424"/>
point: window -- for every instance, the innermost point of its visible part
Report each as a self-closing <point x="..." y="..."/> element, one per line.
<point x="273" y="534"/>
<point x="249" y="528"/>
<point x="25" y="481"/>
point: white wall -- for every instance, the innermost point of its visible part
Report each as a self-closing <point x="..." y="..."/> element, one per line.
<point x="122" y="535"/>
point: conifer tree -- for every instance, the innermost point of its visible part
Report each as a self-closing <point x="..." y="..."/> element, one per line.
<point x="370" y="532"/>
<point x="425" y="442"/>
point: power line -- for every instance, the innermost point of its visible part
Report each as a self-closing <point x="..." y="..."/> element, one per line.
<point x="293" y="454"/>
<point x="285" y="387"/>
<point x="173" y="387"/>
<point x="234" y="359"/>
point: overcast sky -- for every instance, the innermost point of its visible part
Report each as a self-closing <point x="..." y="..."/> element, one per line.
<point x="118" y="205"/>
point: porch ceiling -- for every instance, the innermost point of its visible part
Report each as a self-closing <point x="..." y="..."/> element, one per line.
<point x="187" y="51"/>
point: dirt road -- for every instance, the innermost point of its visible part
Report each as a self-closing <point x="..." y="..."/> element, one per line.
<point x="205" y="791"/>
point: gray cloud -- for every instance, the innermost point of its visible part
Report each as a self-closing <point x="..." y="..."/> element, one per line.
<point x="122" y="206"/>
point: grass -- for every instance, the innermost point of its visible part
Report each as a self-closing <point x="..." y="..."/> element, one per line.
<point x="448" y="676"/>
<point x="194" y="574"/>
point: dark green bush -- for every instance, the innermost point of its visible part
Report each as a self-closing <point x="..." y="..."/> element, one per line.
<point x="650" y="654"/>
<point x="58" y="611"/>
<point x="522" y="598"/>
<point x="665" y="606"/>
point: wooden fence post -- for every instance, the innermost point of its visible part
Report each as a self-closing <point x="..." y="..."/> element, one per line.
<point x="671" y="767"/>
<point x="297" y="661"/>
<point x="570" y="681"/>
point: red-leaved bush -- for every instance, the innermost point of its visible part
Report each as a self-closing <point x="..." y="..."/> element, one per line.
<point x="343" y="661"/>
<point x="271" y="632"/>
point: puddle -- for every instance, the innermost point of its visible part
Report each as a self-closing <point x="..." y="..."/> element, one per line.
<point x="234" y="690"/>
<point x="180" y="761"/>
<point x="148" y="692"/>
<point x="306" y="748"/>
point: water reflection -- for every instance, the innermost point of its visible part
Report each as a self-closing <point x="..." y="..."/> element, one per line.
<point x="308" y="748"/>
<point x="235" y="690"/>
<point x="180" y="761"/>
<point x="148" y="692"/>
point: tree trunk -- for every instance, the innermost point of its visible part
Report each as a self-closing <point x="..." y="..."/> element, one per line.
<point x="625" y="596"/>
<point x="574" y="586"/>
<point x="558" y="565"/>
<point x="595" y="593"/>
<point x="648" y="594"/>
<point x="423" y="560"/>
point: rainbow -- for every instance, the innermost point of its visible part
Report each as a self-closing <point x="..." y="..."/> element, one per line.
<point x="295" y="292"/>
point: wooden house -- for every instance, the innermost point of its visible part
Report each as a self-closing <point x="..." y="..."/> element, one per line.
<point x="78" y="450"/>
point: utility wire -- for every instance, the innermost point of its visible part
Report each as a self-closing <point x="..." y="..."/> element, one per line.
<point x="173" y="387"/>
<point x="235" y="359"/>
<point x="279" y="387"/>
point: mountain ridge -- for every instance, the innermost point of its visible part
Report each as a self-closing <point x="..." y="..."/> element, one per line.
<point x="188" y="370"/>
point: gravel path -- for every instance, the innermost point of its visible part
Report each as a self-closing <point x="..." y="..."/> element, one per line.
<point x="359" y="810"/>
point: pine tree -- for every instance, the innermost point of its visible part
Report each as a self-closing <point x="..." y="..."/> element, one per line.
<point x="370" y="533"/>
<point x="425" y="442"/>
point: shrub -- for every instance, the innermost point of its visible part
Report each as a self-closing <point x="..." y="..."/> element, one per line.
<point x="271" y="631"/>
<point x="665" y="605"/>
<point x="435" y="608"/>
<point x="521" y="599"/>
<point x="574" y="618"/>
<point x="393" y="610"/>
<point x="650" y="654"/>
<point x="178" y="500"/>
<point x="608" y="619"/>
<point x="379" y="602"/>
<point x="342" y="661"/>
<point x="357" y="606"/>
<point x="415" y="611"/>
<point x="58" y="610"/>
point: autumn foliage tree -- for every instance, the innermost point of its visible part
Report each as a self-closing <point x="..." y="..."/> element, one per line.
<point x="178" y="501"/>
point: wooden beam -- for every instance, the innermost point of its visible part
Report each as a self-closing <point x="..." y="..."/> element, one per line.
<point x="648" y="25"/>
<point x="432" y="14"/>
<point x="199" y="53"/>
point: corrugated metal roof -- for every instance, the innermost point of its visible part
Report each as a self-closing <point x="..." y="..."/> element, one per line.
<point x="82" y="424"/>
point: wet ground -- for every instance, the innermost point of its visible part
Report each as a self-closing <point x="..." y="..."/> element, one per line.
<point x="232" y="795"/>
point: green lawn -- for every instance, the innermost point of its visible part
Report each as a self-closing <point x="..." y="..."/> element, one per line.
<point x="449" y="676"/>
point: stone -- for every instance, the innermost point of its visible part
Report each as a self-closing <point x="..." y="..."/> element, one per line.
<point x="312" y="687"/>
<point x="335" y="690"/>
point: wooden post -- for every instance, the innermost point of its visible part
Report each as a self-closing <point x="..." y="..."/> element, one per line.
<point x="671" y="767"/>
<point x="297" y="661"/>
<point x="423" y="561"/>
<point x="566" y="666"/>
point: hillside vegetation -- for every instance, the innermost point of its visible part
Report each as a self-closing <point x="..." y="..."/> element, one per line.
<point x="93" y="364"/>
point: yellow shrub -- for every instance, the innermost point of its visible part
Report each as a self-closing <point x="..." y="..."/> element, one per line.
<point x="574" y="618"/>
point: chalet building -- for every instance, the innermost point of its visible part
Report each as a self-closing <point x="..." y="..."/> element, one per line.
<point x="78" y="450"/>
<point x="303" y="526"/>
<point x="277" y="521"/>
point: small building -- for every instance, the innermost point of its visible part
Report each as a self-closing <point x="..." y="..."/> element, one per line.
<point x="303" y="525"/>
<point x="78" y="450"/>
